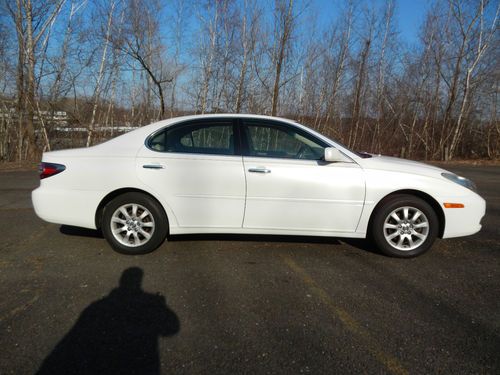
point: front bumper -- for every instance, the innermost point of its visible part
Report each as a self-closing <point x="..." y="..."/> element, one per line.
<point x="463" y="221"/>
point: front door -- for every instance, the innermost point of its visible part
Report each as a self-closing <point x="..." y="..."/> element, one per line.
<point x="289" y="187"/>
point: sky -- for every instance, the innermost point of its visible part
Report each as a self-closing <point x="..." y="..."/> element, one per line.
<point x="409" y="14"/>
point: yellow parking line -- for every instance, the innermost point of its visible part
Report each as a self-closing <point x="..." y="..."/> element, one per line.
<point x="19" y="309"/>
<point x="390" y="362"/>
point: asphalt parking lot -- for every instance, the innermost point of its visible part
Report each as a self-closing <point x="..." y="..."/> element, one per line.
<point x="244" y="305"/>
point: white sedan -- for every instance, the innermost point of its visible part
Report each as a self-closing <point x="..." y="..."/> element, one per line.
<point x="250" y="174"/>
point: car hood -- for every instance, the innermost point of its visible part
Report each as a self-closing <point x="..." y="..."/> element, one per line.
<point x="387" y="163"/>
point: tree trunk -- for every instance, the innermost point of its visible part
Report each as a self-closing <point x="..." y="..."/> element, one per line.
<point x="283" y="45"/>
<point x="97" y="90"/>
<point x="356" y="112"/>
<point x="30" y="91"/>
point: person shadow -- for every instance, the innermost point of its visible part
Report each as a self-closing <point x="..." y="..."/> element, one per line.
<point x="117" y="334"/>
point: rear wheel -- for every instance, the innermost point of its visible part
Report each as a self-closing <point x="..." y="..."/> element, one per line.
<point x="404" y="226"/>
<point x="134" y="223"/>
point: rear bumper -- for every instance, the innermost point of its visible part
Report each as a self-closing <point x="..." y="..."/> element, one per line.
<point x="69" y="207"/>
<point x="464" y="221"/>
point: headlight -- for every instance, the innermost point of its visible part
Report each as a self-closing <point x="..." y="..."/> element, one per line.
<point x="465" y="182"/>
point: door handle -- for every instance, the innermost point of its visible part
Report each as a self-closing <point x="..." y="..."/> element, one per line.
<point x="153" y="166"/>
<point x="259" y="170"/>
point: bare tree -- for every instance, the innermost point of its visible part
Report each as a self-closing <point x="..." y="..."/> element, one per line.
<point x="474" y="24"/>
<point x="248" y="38"/>
<point x="100" y="75"/>
<point x="360" y="82"/>
<point x="381" y="75"/>
<point x="179" y="22"/>
<point x="31" y="23"/>
<point x="283" y="28"/>
<point x="339" y="44"/>
<point x="99" y="63"/>
<point x="141" y="41"/>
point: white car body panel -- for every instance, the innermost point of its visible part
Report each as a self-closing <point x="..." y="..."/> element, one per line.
<point x="295" y="194"/>
<point x="216" y="194"/>
<point x="202" y="190"/>
<point x="385" y="175"/>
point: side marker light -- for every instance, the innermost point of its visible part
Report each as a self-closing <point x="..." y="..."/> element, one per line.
<point x="453" y="205"/>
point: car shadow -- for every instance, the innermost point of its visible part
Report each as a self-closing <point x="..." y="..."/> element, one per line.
<point x="252" y="238"/>
<point x="117" y="334"/>
<point x="359" y="243"/>
<point x="362" y="244"/>
<point x="80" y="232"/>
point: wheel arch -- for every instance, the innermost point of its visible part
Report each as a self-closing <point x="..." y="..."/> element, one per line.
<point x="115" y="193"/>
<point x="420" y="194"/>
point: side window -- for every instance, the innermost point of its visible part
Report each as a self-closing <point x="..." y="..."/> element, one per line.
<point x="274" y="141"/>
<point x="197" y="138"/>
<point x="157" y="143"/>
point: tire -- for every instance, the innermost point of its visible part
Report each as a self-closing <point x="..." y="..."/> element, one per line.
<point x="138" y="221"/>
<point x="412" y="235"/>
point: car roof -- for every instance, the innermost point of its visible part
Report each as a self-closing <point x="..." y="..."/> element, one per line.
<point x="140" y="134"/>
<point x="174" y="120"/>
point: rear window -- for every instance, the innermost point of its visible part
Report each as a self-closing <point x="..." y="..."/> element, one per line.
<point x="196" y="138"/>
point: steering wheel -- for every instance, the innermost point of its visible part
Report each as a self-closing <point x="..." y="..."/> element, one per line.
<point x="301" y="151"/>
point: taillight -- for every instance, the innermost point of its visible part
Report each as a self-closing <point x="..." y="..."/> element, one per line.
<point x="50" y="169"/>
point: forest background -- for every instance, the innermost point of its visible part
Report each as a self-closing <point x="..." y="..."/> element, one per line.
<point x="417" y="79"/>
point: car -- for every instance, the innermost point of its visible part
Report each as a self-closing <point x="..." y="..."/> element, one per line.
<point x="250" y="174"/>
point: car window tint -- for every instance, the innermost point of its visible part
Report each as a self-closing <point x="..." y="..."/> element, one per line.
<point x="204" y="138"/>
<point x="157" y="142"/>
<point x="281" y="142"/>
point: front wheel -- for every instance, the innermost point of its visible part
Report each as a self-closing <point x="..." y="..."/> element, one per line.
<point x="134" y="223"/>
<point x="404" y="226"/>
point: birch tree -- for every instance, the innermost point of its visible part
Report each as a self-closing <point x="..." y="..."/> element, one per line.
<point x="283" y="28"/>
<point x="141" y="41"/>
<point x="31" y="24"/>
<point x="100" y="74"/>
<point x="478" y="46"/>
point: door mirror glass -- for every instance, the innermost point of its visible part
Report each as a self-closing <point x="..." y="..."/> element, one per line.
<point x="332" y="154"/>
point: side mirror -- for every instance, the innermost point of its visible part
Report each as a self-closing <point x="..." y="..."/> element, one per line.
<point x="332" y="154"/>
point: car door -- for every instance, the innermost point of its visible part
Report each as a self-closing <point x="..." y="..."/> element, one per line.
<point x="289" y="187"/>
<point x="197" y="168"/>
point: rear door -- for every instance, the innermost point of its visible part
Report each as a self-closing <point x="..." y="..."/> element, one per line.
<point x="197" y="168"/>
<point x="289" y="187"/>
